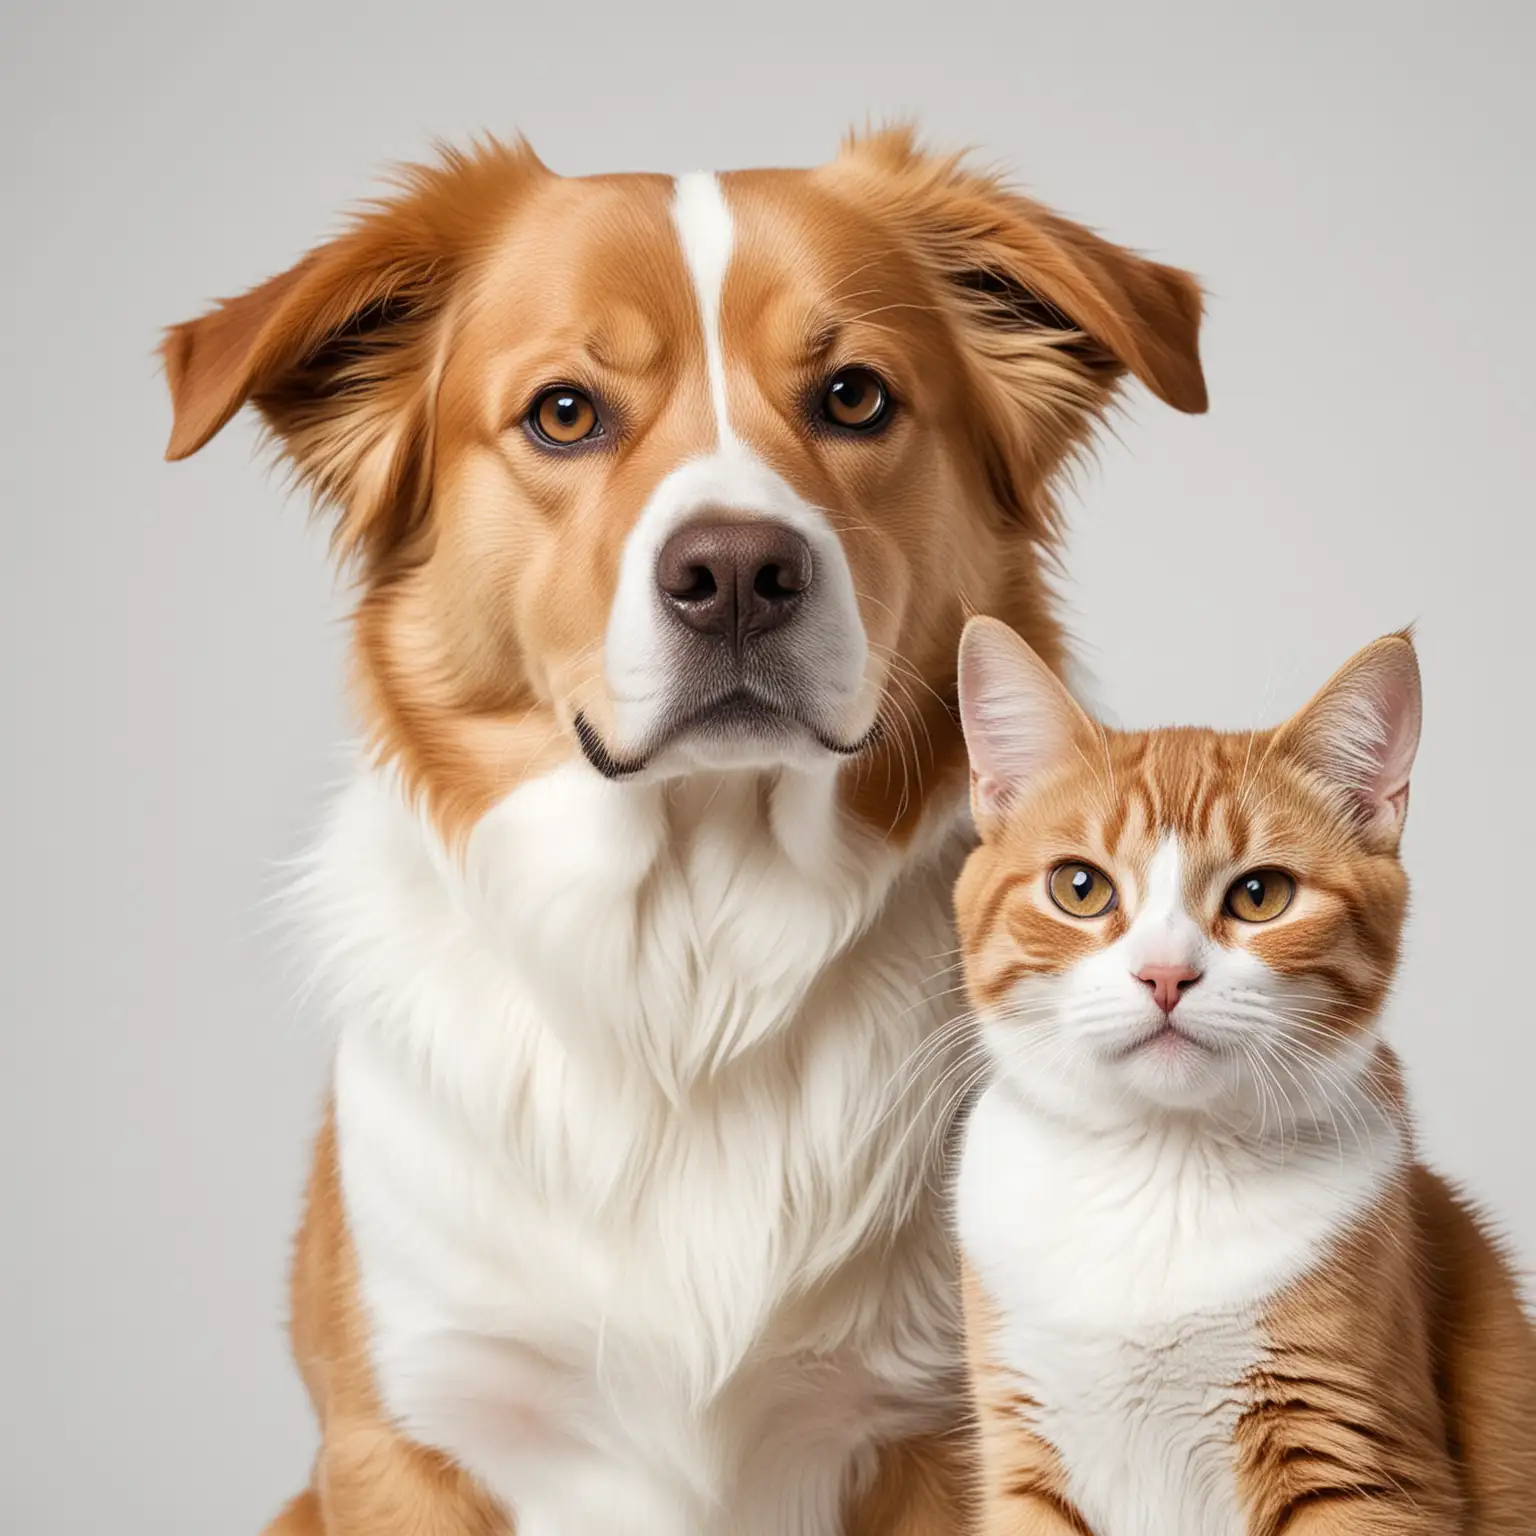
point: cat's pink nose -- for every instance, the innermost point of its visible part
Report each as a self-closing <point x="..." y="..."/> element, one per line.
<point x="1168" y="983"/>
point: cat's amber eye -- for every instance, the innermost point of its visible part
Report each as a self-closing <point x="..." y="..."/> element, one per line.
<point x="563" y="417"/>
<point x="1260" y="896"/>
<point x="1080" y="890"/>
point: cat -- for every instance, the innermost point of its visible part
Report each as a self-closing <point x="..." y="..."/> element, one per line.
<point x="1210" y="1291"/>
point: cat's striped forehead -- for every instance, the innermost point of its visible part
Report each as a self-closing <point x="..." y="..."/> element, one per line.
<point x="1204" y="788"/>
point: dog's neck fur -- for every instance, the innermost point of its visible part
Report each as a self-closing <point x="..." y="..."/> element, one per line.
<point x="665" y="932"/>
<point x="623" y="1086"/>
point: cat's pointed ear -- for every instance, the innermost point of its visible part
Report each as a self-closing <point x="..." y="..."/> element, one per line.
<point x="1019" y="720"/>
<point x="1360" y="732"/>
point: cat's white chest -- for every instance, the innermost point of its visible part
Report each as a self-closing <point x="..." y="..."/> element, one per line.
<point x="1130" y="1278"/>
<point x="1142" y="1422"/>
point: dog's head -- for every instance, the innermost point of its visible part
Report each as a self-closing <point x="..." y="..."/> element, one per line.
<point x="681" y="475"/>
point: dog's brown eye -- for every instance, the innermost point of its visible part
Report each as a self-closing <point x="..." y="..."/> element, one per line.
<point x="1080" y="890"/>
<point x="857" y="399"/>
<point x="564" y="416"/>
<point x="1259" y="896"/>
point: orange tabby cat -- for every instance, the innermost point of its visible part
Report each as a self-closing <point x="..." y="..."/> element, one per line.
<point x="1210" y="1291"/>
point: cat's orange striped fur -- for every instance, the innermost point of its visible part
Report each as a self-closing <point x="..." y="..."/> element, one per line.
<point x="1232" y="1300"/>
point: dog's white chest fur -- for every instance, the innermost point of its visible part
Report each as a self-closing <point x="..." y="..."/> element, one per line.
<point x="1130" y="1277"/>
<point x="630" y="1144"/>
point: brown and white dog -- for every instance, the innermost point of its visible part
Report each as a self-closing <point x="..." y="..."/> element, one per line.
<point x="668" y="500"/>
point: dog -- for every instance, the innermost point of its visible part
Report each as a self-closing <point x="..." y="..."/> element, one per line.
<point x="667" y="500"/>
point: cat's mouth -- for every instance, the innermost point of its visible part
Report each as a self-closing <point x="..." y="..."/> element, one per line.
<point x="1166" y="1038"/>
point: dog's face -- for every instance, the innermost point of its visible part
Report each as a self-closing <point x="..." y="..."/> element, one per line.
<point x="687" y="475"/>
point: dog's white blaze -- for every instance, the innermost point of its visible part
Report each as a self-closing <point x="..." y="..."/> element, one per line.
<point x="704" y="227"/>
<point x="831" y="648"/>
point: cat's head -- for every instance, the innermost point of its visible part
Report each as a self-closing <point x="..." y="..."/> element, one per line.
<point x="1183" y="919"/>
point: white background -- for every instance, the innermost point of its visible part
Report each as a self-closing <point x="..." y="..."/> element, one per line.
<point x="1353" y="181"/>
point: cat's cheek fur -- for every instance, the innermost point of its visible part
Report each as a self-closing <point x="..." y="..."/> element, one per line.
<point x="1068" y="1039"/>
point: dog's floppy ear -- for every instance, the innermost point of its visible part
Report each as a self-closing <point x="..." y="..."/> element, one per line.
<point x="340" y="353"/>
<point x="1051" y="313"/>
<point x="1035" y="269"/>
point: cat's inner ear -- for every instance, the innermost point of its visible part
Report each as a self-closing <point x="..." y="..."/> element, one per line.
<point x="1019" y="720"/>
<point x="1360" y="733"/>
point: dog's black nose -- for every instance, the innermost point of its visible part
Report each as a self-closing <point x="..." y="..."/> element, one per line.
<point x="734" y="580"/>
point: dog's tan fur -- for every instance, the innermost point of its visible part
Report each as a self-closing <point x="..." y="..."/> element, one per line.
<point x="392" y="366"/>
<point x="368" y="1477"/>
